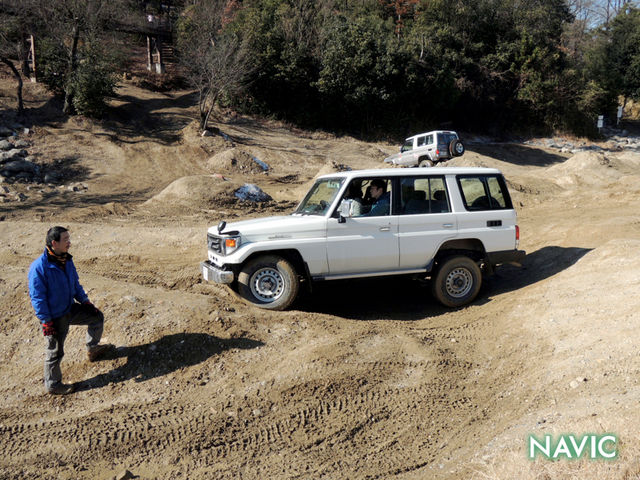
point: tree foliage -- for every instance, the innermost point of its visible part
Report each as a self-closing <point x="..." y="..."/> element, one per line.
<point x="382" y="65"/>
<point x="371" y="66"/>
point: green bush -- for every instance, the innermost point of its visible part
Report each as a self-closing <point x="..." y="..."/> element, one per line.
<point x="92" y="83"/>
<point x="52" y="65"/>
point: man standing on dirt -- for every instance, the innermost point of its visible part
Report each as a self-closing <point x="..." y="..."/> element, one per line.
<point x="59" y="301"/>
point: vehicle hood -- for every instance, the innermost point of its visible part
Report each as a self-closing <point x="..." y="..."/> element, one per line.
<point x="392" y="158"/>
<point x="277" y="227"/>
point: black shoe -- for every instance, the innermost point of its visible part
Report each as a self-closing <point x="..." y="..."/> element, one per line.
<point x="61" y="389"/>
<point x="99" y="351"/>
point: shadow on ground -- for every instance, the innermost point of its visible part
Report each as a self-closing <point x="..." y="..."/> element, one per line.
<point x="405" y="298"/>
<point x="150" y="118"/>
<point x="69" y="199"/>
<point x="166" y="355"/>
<point x="518" y="154"/>
<point x="537" y="266"/>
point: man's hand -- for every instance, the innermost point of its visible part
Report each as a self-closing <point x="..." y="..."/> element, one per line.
<point x="48" y="329"/>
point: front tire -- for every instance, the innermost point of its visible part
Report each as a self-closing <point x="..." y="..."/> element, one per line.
<point x="457" y="282"/>
<point x="425" y="163"/>
<point x="269" y="282"/>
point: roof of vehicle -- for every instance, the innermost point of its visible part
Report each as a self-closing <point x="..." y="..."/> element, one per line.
<point x="401" y="172"/>
<point x="432" y="131"/>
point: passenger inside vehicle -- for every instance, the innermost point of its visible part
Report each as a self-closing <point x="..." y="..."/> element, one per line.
<point x="354" y="193"/>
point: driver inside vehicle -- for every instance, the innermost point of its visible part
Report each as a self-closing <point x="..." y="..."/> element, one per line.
<point x="381" y="198"/>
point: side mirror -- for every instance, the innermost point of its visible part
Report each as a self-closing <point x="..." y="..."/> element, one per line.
<point x="344" y="210"/>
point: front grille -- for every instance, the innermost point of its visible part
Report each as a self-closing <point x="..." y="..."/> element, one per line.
<point x="214" y="243"/>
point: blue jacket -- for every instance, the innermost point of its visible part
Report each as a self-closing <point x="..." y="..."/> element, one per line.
<point x="380" y="207"/>
<point x="53" y="289"/>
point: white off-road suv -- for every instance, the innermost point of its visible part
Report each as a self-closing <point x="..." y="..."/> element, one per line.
<point x="447" y="224"/>
<point x="428" y="149"/>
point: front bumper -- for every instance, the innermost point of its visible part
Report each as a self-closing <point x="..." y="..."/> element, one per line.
<point x="514" y="257"/>
<point x="211" y="273"/>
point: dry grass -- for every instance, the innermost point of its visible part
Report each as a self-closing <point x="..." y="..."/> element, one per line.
<point x="512" y="461"/>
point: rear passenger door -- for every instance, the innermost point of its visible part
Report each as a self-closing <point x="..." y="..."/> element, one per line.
<point x="425" y="220"/>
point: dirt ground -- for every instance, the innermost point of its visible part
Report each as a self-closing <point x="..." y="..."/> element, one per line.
<point x="361" y="379"/>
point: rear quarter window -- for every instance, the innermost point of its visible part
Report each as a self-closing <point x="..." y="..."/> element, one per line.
<point x="484" y="192"/>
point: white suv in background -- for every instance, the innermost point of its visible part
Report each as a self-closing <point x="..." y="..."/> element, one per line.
<point x="447" y="224"/>
<point x="428" y="149"/>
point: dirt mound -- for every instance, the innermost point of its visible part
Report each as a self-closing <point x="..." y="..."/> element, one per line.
<point x="469" y="160"/>
<point x="584" y="168"/>
<point x="235" y="160"/>
<point x="331" y="167"/>
<point x="197" y="192"/>
<point x="627" y="162"/>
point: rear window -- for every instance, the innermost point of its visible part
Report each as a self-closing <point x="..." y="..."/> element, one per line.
<point x="445" y="138"/>
<point x="484" y="192"/>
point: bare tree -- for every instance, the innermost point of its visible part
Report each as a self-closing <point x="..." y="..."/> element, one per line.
<point x="216" y="60"/>
<point x="68" y="22"/>
<point x="596" y="13"/>
<point x="12" y="45"/>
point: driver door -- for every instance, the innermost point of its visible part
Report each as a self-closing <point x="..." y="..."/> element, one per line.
<point x="363" y="244"/>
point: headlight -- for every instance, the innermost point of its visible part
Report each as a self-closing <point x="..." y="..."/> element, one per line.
<point x="231" y="244"/>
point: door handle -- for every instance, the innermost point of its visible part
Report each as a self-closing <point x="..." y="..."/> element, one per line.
<point x="385" y="229"/>
<point x="447" y="225"/>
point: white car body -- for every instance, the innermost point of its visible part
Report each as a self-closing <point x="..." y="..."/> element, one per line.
<point x="328" y="245"/>
<point x="427" y="149"/>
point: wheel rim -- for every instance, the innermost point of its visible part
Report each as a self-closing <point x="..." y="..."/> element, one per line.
<point x="267" y="285"/>
<point x="459" y="148"/>
<point x="459" y="282"/>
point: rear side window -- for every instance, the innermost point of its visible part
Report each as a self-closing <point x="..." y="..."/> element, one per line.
<point x="446" y="138"/>
<point x="421" y="195"/>
<point x="484" y="192"/>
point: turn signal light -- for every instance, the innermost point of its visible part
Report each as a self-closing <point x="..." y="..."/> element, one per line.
<point x="230" y="242"/>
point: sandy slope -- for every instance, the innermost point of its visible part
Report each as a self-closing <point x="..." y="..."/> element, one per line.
<point x="386" y="385"/>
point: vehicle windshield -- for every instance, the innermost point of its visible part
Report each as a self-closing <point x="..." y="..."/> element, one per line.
<point x="320" y="197"/>
<point x="407" y="145"/>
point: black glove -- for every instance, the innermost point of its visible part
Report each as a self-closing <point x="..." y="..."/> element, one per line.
<point x="48" y="329"/>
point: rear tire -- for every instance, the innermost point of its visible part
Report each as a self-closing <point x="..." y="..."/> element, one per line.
<point x="269" y="282"/>
<point x="457" y="282"/>
<point x="456" y="148"/>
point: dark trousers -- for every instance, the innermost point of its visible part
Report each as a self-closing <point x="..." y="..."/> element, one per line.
<point x="79" y="315"/>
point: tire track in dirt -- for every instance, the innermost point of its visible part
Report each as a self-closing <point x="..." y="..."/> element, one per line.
<point x="143" y="271"/>
<point x="303" y="425"/>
